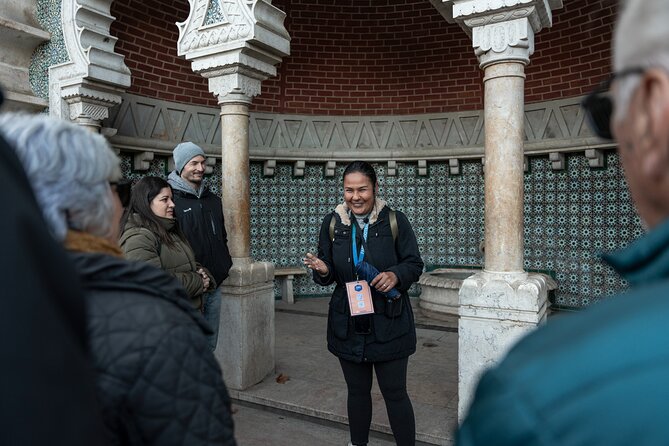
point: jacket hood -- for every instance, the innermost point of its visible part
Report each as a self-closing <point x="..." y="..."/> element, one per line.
<point x="343" y="211"/>
<point x="108" y="273"/>
<point x="645" y="260"/>
<point x="179" y="184"/>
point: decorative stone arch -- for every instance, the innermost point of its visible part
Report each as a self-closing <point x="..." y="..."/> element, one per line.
<point x="84" y="88"/>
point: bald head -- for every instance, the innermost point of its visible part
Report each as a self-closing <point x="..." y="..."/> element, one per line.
<point x="642" y="33"/>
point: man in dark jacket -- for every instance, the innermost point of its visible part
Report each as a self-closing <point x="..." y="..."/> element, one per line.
<point x="600" y="377"/>
<point x="200" y="215"/>
<point x="47" y="393"/>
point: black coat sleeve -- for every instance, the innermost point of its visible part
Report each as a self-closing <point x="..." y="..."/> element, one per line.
<point x="409" y="263"/>
<point x="325" y="252"/>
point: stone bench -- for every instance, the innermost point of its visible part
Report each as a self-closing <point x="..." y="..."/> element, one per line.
<point x="285" y="277"/>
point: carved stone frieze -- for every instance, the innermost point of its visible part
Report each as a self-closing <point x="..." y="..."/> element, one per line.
<point x="555" y="126"/>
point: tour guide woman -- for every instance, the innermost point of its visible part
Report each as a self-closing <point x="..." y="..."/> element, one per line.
<point x="363" y="229"/>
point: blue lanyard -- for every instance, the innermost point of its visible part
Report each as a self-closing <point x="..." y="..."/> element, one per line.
<point x="357" y="260"/>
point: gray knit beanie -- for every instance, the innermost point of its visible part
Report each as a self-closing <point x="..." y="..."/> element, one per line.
<point x="185" y="152"/>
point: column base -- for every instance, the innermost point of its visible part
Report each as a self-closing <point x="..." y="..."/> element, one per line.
<point x="496" y="310"/>
<point x="245" y="347"/>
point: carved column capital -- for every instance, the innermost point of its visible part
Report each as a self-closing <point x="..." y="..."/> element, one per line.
<point x="234" y="84"/>
<point x="239" y="51"/>
<point x="502" y="30"/>
<point x="88" y="104"/>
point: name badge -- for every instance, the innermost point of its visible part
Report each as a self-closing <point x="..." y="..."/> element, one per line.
<point x="359" y="298"/>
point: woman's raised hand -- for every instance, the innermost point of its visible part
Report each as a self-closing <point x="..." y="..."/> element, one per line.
<point x="316" y="264"/>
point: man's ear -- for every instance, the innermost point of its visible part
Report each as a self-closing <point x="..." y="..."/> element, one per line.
<point x="653" y="96"/>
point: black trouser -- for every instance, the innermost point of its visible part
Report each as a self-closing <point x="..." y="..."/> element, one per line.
<point x="392" y="379"/>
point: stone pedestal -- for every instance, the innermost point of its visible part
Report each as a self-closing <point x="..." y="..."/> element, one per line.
<point x="496" y="310"/>
<point x="245" y="346"/>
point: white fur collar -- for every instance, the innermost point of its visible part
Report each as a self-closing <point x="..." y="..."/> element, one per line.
<point x="343" y="212"/>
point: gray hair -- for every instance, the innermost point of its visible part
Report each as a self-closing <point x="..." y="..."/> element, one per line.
<point x="69" y="169"/>
<point x="641" y="40"/>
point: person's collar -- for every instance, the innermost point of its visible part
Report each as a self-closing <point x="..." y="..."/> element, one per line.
<point x="646" y="259"/>
<point x="167" y="223"/>
<point x="78" y="241"/>
<point x="343" y="211"/>
<point x="178" y="183"/>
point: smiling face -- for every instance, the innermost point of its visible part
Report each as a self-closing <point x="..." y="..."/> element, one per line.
<point x="162" y="204"/>
<point x="193" y="171"/>
<point x="359" y="193"/>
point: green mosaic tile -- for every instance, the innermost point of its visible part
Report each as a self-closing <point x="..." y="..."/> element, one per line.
<point x="570" y="216"/>
<point x="214" y="13"/>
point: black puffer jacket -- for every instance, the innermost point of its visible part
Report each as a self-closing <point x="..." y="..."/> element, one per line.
<point x="201" y="220"/>
<point x="157" y="381"/>
<point x="390" y="337"/>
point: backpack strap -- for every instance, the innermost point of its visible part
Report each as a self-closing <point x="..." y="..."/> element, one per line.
<point x="393" y="223"/>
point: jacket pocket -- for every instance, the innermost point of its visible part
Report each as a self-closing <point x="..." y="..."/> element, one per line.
<point x="388" y="328"/>
<point x="338" y="316"/>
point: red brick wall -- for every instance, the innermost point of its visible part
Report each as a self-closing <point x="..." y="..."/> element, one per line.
<point x="350" y="58"/>
<point x="148" y="39"/>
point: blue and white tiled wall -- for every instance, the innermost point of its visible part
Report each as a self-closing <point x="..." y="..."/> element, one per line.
<point x="570" y="215"/>
<point x="49" y="53"/>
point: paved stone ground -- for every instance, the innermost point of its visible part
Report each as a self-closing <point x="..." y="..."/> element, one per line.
<point x="315" y="393"/>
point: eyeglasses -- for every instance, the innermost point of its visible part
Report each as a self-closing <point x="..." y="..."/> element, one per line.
<point x="123" y="189"/>
<point x="598" y="105"/>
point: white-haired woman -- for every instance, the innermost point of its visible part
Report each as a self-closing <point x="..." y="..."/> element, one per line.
<point x="140" y="324"/>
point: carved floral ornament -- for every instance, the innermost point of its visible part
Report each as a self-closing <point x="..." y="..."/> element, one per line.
<point x="236" y="25"/>
<point x="500" y="37"/>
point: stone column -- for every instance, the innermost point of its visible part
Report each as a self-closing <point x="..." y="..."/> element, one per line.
<point x="236" y="53"/>
<point x="502" y="303"/>
<point x="235" y="174"/>
<point x="504" y="113"/>
<point x="246" y="342"/>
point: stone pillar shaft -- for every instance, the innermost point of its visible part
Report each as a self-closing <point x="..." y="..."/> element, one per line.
<point x="504" y="119"/>
<point x="236" y="178"/>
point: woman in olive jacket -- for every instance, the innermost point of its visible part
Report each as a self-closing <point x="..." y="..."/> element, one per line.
<point x="383" y="340"/>
<point x="151" y="234"/>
